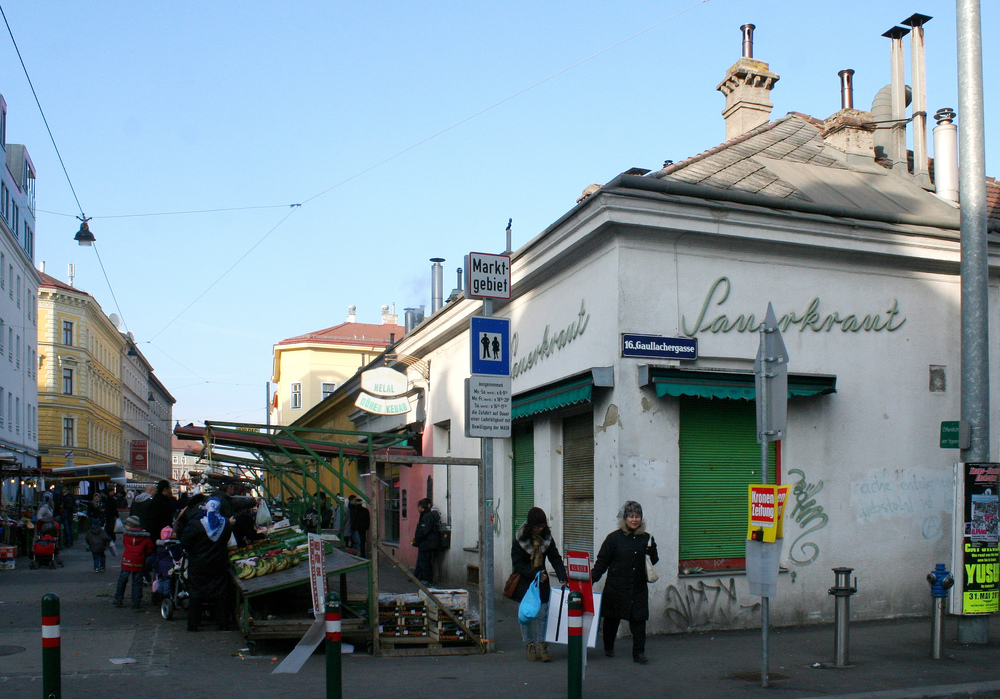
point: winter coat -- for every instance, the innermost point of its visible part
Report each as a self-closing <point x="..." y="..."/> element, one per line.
<point x="97" y="539"/>
<point x="520" y="558"/>
<point x="208" y="561"/>
<point x="426" y="537"/>
<point x="361" y="519"/>
<point x="623" y="557"/>
<point x="160" y="513"/>
<point x="140" y="508"/>
<point x="138" y="546"/>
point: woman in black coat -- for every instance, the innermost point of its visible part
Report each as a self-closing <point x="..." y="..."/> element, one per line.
<point x="206" y="540"/>
<point x="532" y="545"/>
<point x="623" y="557"/>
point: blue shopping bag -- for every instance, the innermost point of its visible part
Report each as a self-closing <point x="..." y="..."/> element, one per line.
<point x="531" y="603"/>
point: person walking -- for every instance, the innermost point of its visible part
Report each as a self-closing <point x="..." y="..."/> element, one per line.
<point x="206" y="540"/>
<point x="427" y="540"/>
<point x="110" y="514"/>
<point x="137" y="547"/>
<point x="98" y="542"/>
<point x="626" y="595"/>
<point x="532" y="545"/>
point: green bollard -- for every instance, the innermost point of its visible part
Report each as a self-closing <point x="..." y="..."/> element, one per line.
<point x="334" y="679"/>
<point x="575" y="645"/>
<point x="51" y="672"/>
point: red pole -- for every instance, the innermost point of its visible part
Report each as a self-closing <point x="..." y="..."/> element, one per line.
<point x="575" y="648"/>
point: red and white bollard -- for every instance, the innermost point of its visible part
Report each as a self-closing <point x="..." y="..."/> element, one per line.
<point x="51" y="648"/>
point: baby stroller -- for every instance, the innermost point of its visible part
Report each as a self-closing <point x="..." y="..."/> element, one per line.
<point x="178" y="590"/>
<point x="45" y="547"/>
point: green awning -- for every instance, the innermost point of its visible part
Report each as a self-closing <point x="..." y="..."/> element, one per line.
<point x="733" y="385"/>
<point x="561" y="394"/>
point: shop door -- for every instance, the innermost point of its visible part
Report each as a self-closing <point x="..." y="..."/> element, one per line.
<point x="719" y="458"/>
<point x="522" y="474"/>
<point x="578" y="483"/>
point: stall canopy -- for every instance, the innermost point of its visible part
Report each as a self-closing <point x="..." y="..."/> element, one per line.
<point x="112" y="471"/>
<point x="672" y="381"/>
<point x="292" y="459"/>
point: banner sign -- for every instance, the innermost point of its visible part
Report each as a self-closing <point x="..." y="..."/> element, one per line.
<point x="980" y="572"/>
<point x="766" y="511"/>
<point x="578" y="572"/>
<point x="138" y="458"/>
<point x="317" y="575"/>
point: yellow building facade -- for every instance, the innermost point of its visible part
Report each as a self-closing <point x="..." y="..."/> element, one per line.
<point x="79" y="379"/>
<point x="310" y="367"/>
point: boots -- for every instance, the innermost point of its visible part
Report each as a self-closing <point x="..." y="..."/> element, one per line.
<point x="543" y="653"/>
<point x="530" y="648"/>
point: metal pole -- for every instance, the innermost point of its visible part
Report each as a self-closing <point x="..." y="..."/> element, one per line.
<point x="486" y="582"/>
<point x="51" y="651"/>
<point x="334" y="679"/>
<point x="765" y="602"/>
<point x="974" y="263"/>
<point x="574" y="649"/>
<point x="937" y="626"/>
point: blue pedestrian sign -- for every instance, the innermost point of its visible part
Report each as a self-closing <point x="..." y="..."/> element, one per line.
<point x="490" y="345"/>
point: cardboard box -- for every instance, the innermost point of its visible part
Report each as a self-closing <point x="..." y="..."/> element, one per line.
<point x="7" y="552"/>
<point x="453" y="599"/>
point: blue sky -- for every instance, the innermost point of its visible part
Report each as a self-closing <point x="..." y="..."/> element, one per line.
<point x="407" y="130"/>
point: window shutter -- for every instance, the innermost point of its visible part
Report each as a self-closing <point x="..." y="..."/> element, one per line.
<point x="578" y="483"/>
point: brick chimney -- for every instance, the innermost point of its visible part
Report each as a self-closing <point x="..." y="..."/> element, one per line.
<point x="851" y="130"/>
<point x="747" y="88"/>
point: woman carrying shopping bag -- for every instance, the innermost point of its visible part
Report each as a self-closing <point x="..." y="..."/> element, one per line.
<point x="626" y="596"/>
<point x="532" y="545"/>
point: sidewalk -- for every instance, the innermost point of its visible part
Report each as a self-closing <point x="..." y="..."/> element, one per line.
<point x="889" y="659"/>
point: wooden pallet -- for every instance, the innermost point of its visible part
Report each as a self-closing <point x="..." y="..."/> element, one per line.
<point x="402" y="647"/>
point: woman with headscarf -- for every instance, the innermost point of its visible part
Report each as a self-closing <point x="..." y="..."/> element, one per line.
<point x="532" y="545"/>
<point x="623" y="557"/>
<point x="206" y="540"/>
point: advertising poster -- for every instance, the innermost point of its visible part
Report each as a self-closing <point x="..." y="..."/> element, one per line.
<point x="765" y="510"/>
<point x="981" y="539"/>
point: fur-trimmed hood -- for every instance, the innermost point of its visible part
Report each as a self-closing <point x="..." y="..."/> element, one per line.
<point x="628" y="532"/>
<point x="524" y="539"/>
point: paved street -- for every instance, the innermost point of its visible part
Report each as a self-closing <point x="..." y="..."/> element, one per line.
<point x="889" y="658"/>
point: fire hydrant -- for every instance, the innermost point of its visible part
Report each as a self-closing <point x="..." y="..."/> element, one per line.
<point x="941" y="581"/>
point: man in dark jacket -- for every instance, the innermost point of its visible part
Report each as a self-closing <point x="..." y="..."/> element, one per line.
<point x="626" y="596"/>
<point x="427" y="540"/>
<point x="161" y="509"/>
<point x="361" y="521"/>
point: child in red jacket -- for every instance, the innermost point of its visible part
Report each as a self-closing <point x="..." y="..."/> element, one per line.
<point x="138" y="547"/>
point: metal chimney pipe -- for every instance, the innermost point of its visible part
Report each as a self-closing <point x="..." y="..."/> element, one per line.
<point x="747" y="30"/>
<point x="437" y="284"/>
<point x="946" y="155"/>
<point x="846" y="89"/>
<point x="458" y="284"/>
<point x="898" y="96"/>
<point x="409" y="319"/>
<point x="918" y="74"/>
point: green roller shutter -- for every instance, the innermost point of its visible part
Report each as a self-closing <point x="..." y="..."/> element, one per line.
<point x="719" y="458"/>
<point x="578" y="483"/>
<point x="522" y="474"/>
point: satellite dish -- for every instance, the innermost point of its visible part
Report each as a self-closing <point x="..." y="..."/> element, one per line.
<point x="115" y="320"/>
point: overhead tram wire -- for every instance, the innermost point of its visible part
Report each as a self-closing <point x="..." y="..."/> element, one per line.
<point x="82" y="216"/>
<point x="431" y="138"/>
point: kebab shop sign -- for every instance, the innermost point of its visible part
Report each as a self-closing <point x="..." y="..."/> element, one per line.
<point x="382" y="392"/>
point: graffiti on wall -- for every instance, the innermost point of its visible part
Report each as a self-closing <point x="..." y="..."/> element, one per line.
<point x="808" y="514"/>
<point x="920" y="495"/>
<point x="705" y="602"/>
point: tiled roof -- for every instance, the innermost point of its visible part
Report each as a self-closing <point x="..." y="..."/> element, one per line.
<point x="731" y="165"/>
<point x="992" y="199"/>
<point x="176" y="443"/>
<point x="52" y="281"/>
<point x="350" y="334"/>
